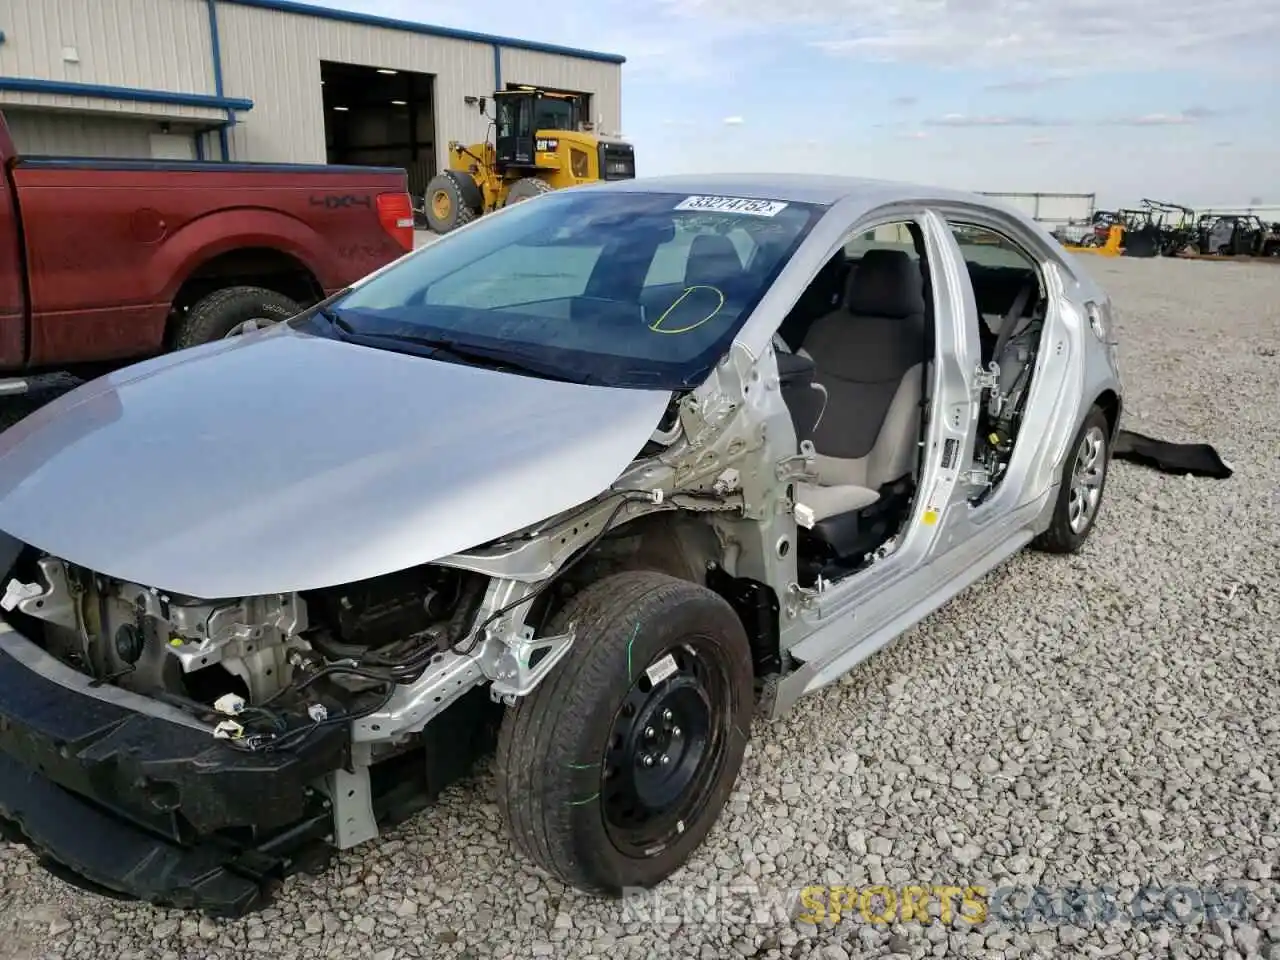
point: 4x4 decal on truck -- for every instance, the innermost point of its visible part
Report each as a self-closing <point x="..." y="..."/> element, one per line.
<point x="340" y="201"/>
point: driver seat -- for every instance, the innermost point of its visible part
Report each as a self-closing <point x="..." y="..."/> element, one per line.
<point x="869" y="356"/>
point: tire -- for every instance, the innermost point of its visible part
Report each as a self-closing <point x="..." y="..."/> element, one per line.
<point x="557" y="744"/>
<point x="447" y="202"/>
<point x="221" y="312"/>
<point x="526" y="189"/>
<point x="1066" y="533"/>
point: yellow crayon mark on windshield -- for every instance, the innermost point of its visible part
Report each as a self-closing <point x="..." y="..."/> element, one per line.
<point x="656" y="326"/>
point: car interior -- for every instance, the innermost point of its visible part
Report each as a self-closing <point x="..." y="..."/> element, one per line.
<point x="855" y="357"/>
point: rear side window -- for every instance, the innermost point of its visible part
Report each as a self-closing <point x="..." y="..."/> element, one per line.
<point x="890" y="236"/>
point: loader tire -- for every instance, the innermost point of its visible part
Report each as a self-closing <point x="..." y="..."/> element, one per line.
<point x="615" y="768"/>
<point x="220" y="313"/>
<point x="527" y="189"/>
<point x="450" y="201"/>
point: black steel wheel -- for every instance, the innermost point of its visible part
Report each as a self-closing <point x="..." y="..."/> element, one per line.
<point x="666" y="748"/>
<point x="612" y="772"/>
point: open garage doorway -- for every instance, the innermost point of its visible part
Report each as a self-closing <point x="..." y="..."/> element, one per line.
<point x="376" y="116"/>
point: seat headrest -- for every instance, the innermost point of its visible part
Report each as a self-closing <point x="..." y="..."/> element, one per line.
<point x="885" y="283"/>
<point x="713" y="259"/>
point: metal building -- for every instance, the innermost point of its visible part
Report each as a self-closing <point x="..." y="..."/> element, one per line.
<point x="268" y="80"/>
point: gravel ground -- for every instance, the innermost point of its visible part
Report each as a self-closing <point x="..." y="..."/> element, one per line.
<point x="1107" y="720"/>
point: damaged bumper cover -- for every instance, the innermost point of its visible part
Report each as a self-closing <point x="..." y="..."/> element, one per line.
<point x="123" y="796"/>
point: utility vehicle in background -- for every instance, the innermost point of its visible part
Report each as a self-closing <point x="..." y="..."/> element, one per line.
<point x="541" y="143"/>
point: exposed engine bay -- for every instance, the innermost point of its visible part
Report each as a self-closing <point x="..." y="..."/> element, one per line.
<point x="267" y="668"/>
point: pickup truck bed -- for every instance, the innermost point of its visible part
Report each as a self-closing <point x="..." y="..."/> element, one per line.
<point x="114" y="260"/>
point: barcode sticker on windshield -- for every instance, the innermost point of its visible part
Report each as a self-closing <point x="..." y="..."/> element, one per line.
<point x="755" y="208"/>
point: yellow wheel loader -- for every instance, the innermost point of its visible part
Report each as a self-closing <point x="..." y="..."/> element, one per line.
<point x="540" y="144"/>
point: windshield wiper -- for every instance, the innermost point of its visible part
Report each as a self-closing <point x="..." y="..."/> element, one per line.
<point x="467" y="353"/>
<point x="330" y="314"/>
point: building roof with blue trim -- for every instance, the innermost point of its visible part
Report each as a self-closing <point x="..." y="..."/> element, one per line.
<point x="409" y="26"/>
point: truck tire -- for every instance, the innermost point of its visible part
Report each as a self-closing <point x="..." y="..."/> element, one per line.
<point x="220" y="312"/>
<point x="606" y="779"/>
<point x="451" y="201"/>
<point x="526" y="189"/>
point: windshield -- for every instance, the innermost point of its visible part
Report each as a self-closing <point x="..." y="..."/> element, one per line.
<point x="554" y="114"/>
<point x="614" y="288"/>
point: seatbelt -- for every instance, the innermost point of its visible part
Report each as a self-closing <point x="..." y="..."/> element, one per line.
<point x="1011" y="319"/>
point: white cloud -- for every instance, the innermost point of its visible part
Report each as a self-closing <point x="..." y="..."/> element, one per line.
<point x="1078" y="35"/>
<point x="1160" y="119"/>
<point x="1038" y="141"/>
<point x="1181" y="118"/>
<point x="733" y="121"/>
<point x="1025" y="84"/>
<point x="964" y="120"/>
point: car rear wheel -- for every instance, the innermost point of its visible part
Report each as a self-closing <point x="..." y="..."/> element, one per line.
<point x="228" y="311"/>
<point x="1084" y="478"/>
<point x="613" y="771"/>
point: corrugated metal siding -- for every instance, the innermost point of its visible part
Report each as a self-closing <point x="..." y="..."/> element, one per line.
<point x="271" y="57"/>
<point x="79" y="135"/>
<point x="152" y="44"/>
<point x="275" y="57"/>
<point x="602" y="80"/>
<point x="161" y="111"/>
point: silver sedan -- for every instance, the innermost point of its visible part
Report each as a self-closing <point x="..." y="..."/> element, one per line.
<point x="590" y="481"/>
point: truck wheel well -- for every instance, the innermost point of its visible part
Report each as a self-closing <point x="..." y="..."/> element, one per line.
<point x="250" y="266"/>
<point x="683" y="546"/>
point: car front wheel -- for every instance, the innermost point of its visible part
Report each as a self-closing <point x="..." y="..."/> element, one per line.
<point x="613" y="771"/>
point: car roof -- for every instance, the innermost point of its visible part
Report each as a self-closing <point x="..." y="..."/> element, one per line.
<point x="796" y="188"/>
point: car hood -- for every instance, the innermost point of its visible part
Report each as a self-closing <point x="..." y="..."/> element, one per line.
<point x="282" y="461"/>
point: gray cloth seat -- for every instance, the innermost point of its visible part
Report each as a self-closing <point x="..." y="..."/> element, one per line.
<point x="869" y="356"/>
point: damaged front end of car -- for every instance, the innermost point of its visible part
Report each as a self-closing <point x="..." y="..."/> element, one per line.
<point x="193" y="752"/>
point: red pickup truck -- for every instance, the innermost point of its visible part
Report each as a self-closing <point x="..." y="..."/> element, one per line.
<point x="103" y="261"/>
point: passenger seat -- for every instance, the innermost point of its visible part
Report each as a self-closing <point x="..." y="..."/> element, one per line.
<point x="869" y="356"/>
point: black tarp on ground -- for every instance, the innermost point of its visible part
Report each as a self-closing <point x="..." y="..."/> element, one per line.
<point x="1197" y="459"/>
